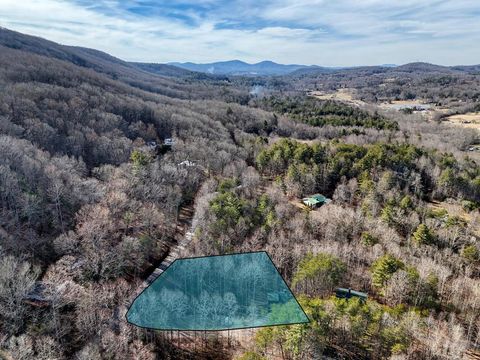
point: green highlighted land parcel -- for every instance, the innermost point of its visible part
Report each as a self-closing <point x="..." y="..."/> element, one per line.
<point x="217" y="293"/>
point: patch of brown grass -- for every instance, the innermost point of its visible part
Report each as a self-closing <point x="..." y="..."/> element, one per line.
<point x="469" y="120"/>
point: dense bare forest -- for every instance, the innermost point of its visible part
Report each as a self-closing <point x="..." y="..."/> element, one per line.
<point x="91" y="195"/>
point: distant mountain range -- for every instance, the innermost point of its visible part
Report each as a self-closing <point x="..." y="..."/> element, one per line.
<point x="270" y="68"/>
<point x="216" y="71"/>
<point x="237" y="67"/>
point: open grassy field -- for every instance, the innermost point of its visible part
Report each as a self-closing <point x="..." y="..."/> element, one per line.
<point x="343" y="95"/>
<point x="405" y="104"/>
<point x="469" y="120"/>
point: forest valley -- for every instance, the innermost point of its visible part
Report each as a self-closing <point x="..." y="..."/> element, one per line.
<point x="91" y="202"/>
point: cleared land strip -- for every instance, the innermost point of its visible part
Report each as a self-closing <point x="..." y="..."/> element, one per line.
<point x="185" y="235"/>
<point x="174" y="254"/>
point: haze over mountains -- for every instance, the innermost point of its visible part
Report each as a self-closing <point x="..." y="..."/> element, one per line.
<point x="270" y="68"/>
<point x="263" y="68"/>
<point x="237" y="67"/>
<point x="103" y="62"/>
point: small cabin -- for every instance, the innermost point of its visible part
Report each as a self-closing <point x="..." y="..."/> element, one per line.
<point x="315" y="201"/>
<point x="343" y="293"/>
<point x="186" y="163"/>
<point x="168" y="142"/>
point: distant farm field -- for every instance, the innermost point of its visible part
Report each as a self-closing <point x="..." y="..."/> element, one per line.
<point x="343" y="95"/>
<point x="405" y="104"/>
<point x="469" y="120"/>
<point x="340" y="94"/>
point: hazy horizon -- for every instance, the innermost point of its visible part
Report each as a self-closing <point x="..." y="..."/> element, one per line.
<point x="341" y="34"/>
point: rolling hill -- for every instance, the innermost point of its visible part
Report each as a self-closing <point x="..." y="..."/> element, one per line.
<point x="237" y="67"/>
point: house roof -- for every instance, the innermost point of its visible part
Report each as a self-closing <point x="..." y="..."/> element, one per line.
<point x="315" y="199"/>
<point x="352" y="292"/>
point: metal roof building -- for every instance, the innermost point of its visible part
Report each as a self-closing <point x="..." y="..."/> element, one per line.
<point x="343" y="293"/>
<point x="315" y="200"/>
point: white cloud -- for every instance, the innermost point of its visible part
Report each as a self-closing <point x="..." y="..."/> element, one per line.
<point x="324" y="32"/>
<point x="284" y="32"/>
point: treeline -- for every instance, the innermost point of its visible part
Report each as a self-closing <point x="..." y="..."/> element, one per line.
<point x="319" y="168"/>
<point x="321" y="113"/>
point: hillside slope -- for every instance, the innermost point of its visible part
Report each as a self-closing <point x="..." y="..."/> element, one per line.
<point x="163" y="79"/>
<point x="92" y="200"/>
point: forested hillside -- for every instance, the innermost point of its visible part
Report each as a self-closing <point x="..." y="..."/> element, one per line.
<point x="442" y="85"/>
<point x="91" y="201"/>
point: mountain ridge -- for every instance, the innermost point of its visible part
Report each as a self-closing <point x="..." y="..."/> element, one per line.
<point x="105" y="63"/>
<point x="85" y="57"/>
<point x="238" y="67"/>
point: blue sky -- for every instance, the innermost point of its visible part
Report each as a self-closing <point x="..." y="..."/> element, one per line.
<point x="322" y="32"/>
